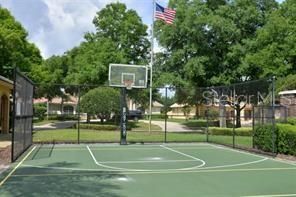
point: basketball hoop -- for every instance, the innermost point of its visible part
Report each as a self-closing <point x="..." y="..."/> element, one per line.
<point x="128" y="84"/>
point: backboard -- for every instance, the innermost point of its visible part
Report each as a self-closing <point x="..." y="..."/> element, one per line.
<point x="129" y="76"/>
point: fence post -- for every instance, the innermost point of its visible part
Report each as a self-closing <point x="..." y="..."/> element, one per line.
<point x="273" y="115"/>
<point x="207" y="127"/>
<point x="13" y="115"/>
<point x="253" y="125"/>
<point x="234" y="122"/>
<point x="233" y="130"/>
<point x="78" y="111"/>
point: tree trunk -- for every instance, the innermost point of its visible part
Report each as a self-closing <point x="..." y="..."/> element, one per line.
<point x="62" y="105"/>
<point x="87" y="118"/>
<point x="238" y="119"/>
<point x="222" y="115"/>
<point x="197" y="114"/>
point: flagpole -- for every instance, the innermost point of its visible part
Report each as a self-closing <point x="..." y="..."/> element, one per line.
<point x="151" y="64"/>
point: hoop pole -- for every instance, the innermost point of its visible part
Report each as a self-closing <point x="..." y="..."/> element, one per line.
<point x="123" y="121"/>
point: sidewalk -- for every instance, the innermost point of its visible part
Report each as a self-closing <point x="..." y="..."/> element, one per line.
<point x="171" y="126"/>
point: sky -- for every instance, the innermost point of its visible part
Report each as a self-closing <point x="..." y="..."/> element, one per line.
<point x="56" y="26"/>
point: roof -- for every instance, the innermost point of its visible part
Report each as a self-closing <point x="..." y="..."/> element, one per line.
<point x="176" y="105"/>
<point x="157" y="104"/>
<point x="58" y="100"/>
<point x="287" y="92"/>
<point x="6" y="82"/>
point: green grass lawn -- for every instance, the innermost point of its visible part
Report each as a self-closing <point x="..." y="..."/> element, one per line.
<point x="243" y="141"/>
<point x="142" y="126"/>
<point x="71" y="135"/>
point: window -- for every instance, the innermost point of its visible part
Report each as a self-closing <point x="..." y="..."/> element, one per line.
<point x="68" y="109"/>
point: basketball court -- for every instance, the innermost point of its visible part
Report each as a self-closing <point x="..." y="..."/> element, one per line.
<point x="199" y="169"/>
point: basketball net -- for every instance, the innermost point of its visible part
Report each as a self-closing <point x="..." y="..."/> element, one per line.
<point x="128" y="84"/>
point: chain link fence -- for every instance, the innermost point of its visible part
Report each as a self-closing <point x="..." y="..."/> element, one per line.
<point x="87" y="113"/>
<point x="22" y="114"/>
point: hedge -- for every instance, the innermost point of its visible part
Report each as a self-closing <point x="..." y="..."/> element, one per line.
<point x="202" y="123"/>
<point x="291" y="121"/>
<point x="99" y="127"/>
<point x="39" y="110"/>
<point x="62" y="117"/>
<point x="263" y="137"/>
<point x="229" y="131"/>
<point x="285" y="138"/>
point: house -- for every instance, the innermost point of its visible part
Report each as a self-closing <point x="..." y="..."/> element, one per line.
<point x="288" y="99"/>
<point x="156" y="108"/>
<point x="178" y="111"/>
<point x="56" y="106"/>
<point x="6" y="86"/>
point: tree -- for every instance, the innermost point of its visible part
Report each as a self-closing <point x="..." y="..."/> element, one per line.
<point x="88" y="63"/>
<point x="15" y="50"/>
<point x="273" y="50"/>
<point x="205" y="45"/>
<point x="286" y="83"/>
<point x="207" y="42"/>
<point x="125" y="28"/>
<point x="101" y="102"/>
<point x="120" y="37"/>
<point x="50" y="77"/>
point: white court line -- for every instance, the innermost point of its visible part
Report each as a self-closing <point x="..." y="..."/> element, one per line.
<point x="20" y="163"/>
<point x="235" y="165"/>
<point x="247" y="153"/>
<point x="110" y="167"/>
<point x="186" y="155"/>
<point x="143" y="170"/>
<point x="236" y="150"/>
<point x="96" y="171"/>
<point x="276" y="195"/>
<point x="172" y="170"/>
<point x="146" y="161"/>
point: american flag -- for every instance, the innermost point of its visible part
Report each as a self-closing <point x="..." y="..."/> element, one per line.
<point x="165" y="14"/>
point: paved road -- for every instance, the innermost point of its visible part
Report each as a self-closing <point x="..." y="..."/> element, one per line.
<point x="56" y="125"/>
<point x="171" y="126"/>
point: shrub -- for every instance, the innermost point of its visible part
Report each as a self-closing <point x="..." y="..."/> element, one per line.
<point x="101" y="127"/>
<point x="229" y="131"/>
<point x="40" y="110"/>
<point x="62" y="117"/>
<point x="285" y="135"/>
<point x="202" y="123"/>
<point x="263" y="137"/>
<point x="155" y="116"/>
<point x="287" y="139"/>
<point x="291" y="121"/>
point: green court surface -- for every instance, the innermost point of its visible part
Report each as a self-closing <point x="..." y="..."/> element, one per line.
<point x="164" y="170"/>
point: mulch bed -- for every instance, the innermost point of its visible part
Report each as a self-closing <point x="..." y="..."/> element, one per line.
<point x="5" y="155"/>
<point x="286" y="157"/>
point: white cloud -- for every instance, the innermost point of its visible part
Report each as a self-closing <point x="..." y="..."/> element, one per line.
<point x="56" y="26"/>
<point x="68" y="21"/>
